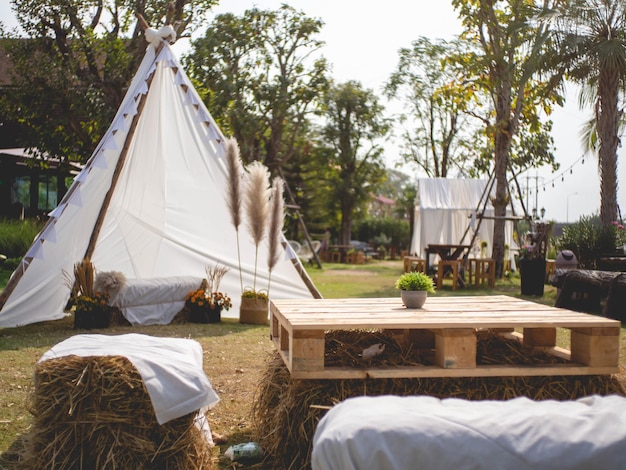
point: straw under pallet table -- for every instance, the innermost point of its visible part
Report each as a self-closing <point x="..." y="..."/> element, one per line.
<point x="298" y="331"/>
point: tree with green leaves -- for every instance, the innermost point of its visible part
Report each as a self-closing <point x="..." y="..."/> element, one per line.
<point x="439" y="108"/>
<point x="261" y="75"/>
<point x="511" y="66"/>
<point x="70" y="72"/>
<point x="592" y="37"/>
<point x="354" y="127"/>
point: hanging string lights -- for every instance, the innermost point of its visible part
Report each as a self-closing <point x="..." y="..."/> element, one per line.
<point x="560" y="176"/>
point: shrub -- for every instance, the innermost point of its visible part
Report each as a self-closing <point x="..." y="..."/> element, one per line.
<point x="371" y="229"/>
<point x="588" y="239"/>
<point x="16" y="236"/>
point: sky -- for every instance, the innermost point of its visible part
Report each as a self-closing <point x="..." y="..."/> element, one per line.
<point x="362" y="39"/>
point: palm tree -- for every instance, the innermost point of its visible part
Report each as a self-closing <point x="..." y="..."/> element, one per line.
<point x="593" y="36"/>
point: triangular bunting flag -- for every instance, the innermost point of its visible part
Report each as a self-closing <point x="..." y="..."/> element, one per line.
<point x="75" y="198"/>
<point x="203" y="116"/>
<point x="290" y="253"/>
<point x="49" y="234"/>
<point x="179" y="79"/>
<point x="191" y="97"/>
<point x="82" y="176"/>
<point x="100" y="161"/>
<point x="110" y="144"/>
<point x="36" y="251"/>
<point x="58" y="210"/>
<point x="130" y="111"/>
<point x="143" y="89"/>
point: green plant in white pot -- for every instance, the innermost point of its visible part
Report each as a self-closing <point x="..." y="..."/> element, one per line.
<point x="414" y="288"/>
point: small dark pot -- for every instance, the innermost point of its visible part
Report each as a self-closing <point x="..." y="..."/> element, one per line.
<point x="533" y="275"/>
<point x="90" y="320"/>
<point x="205" y="315"/>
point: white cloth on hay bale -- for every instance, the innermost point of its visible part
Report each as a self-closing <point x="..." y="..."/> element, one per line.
<point x="393" y="432"/>
<point x="171" y="368"/>
<point x="154" y="301"/>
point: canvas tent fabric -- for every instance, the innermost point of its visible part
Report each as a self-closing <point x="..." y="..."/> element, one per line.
<point x="167" y="215"/>
<point x="444" y="210"/>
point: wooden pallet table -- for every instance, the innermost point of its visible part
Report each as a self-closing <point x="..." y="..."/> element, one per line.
<point x="298" y="331"/>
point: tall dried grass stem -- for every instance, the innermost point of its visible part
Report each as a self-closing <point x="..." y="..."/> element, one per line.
<point x="215" y="274"/>
<point x="234" y="196"/>
<point x="256" y="203"/>
<point x="276" y="225"/>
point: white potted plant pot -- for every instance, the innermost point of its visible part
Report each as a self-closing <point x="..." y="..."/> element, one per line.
<point x="413" y="298"/>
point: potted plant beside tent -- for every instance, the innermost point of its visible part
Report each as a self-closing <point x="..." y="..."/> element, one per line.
<point x="264" y="219"/>
<point x="205" y="304"/>
<point x="414" y="288"/>
<point x="91" y="308"/>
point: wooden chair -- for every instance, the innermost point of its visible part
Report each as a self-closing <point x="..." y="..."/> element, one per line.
<point x="483" y="270"/>
<point x="414" y="263"/>
<point x="454" y="266"/>
<point x="335" y="256"/>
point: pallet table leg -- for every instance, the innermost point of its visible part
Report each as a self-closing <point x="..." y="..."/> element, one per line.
<point x="307" y="350"/>
<point x="455" y="348"/>
<point x="595" y="346"/>
<point x="540" y="337"/>
<point x="283" y="340"/>
<point x="274" y="325"/>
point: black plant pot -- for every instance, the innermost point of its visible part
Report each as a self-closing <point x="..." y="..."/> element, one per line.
<point x="197" y="315"/>
<point x="91" y="320"/>
<point x="533" y="275"/>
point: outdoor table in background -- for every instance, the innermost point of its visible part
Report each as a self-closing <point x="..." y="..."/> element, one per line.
<point x="446" y="252"/>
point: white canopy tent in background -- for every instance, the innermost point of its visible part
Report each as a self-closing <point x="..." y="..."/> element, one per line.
<point x="444" y="210"/>
<point x="167" y="215"/>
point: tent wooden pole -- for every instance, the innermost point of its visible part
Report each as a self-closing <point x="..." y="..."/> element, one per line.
<point x="305" y="277"/>
<point x="300" y="219"/>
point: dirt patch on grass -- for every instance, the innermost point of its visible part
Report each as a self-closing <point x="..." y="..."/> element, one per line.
<point x="349" y="272"/>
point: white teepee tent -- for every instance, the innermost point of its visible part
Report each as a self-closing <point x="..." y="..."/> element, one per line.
<point x="444" y="210"/>
<point x="167" y="214"/>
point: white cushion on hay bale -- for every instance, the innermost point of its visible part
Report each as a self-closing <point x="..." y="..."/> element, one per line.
<point x="394" y="432"/>
<point x="154" y="301"/>
<point x="171" y="368"/>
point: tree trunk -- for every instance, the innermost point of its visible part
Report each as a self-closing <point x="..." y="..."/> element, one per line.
<point x="502" y="148"/>
<point x="607" y="125"/>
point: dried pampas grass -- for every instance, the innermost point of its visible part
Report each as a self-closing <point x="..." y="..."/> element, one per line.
<point x="277" y="216"/>
<point x="234" y="193"/>
<point x="109" y="283"/>
<point x="95" y="412"/>
<point x="235" y="174"/>
<point x="286" y="411"/>
<point x="256" y="203"/>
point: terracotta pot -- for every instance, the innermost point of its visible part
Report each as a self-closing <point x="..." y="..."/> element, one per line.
<point x="254" y="311"/>
<point x="413" y="298"/>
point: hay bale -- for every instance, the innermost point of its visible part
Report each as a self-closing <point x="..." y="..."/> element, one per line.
<point x="95" y="413"/>
<point x="285" y="412"/>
